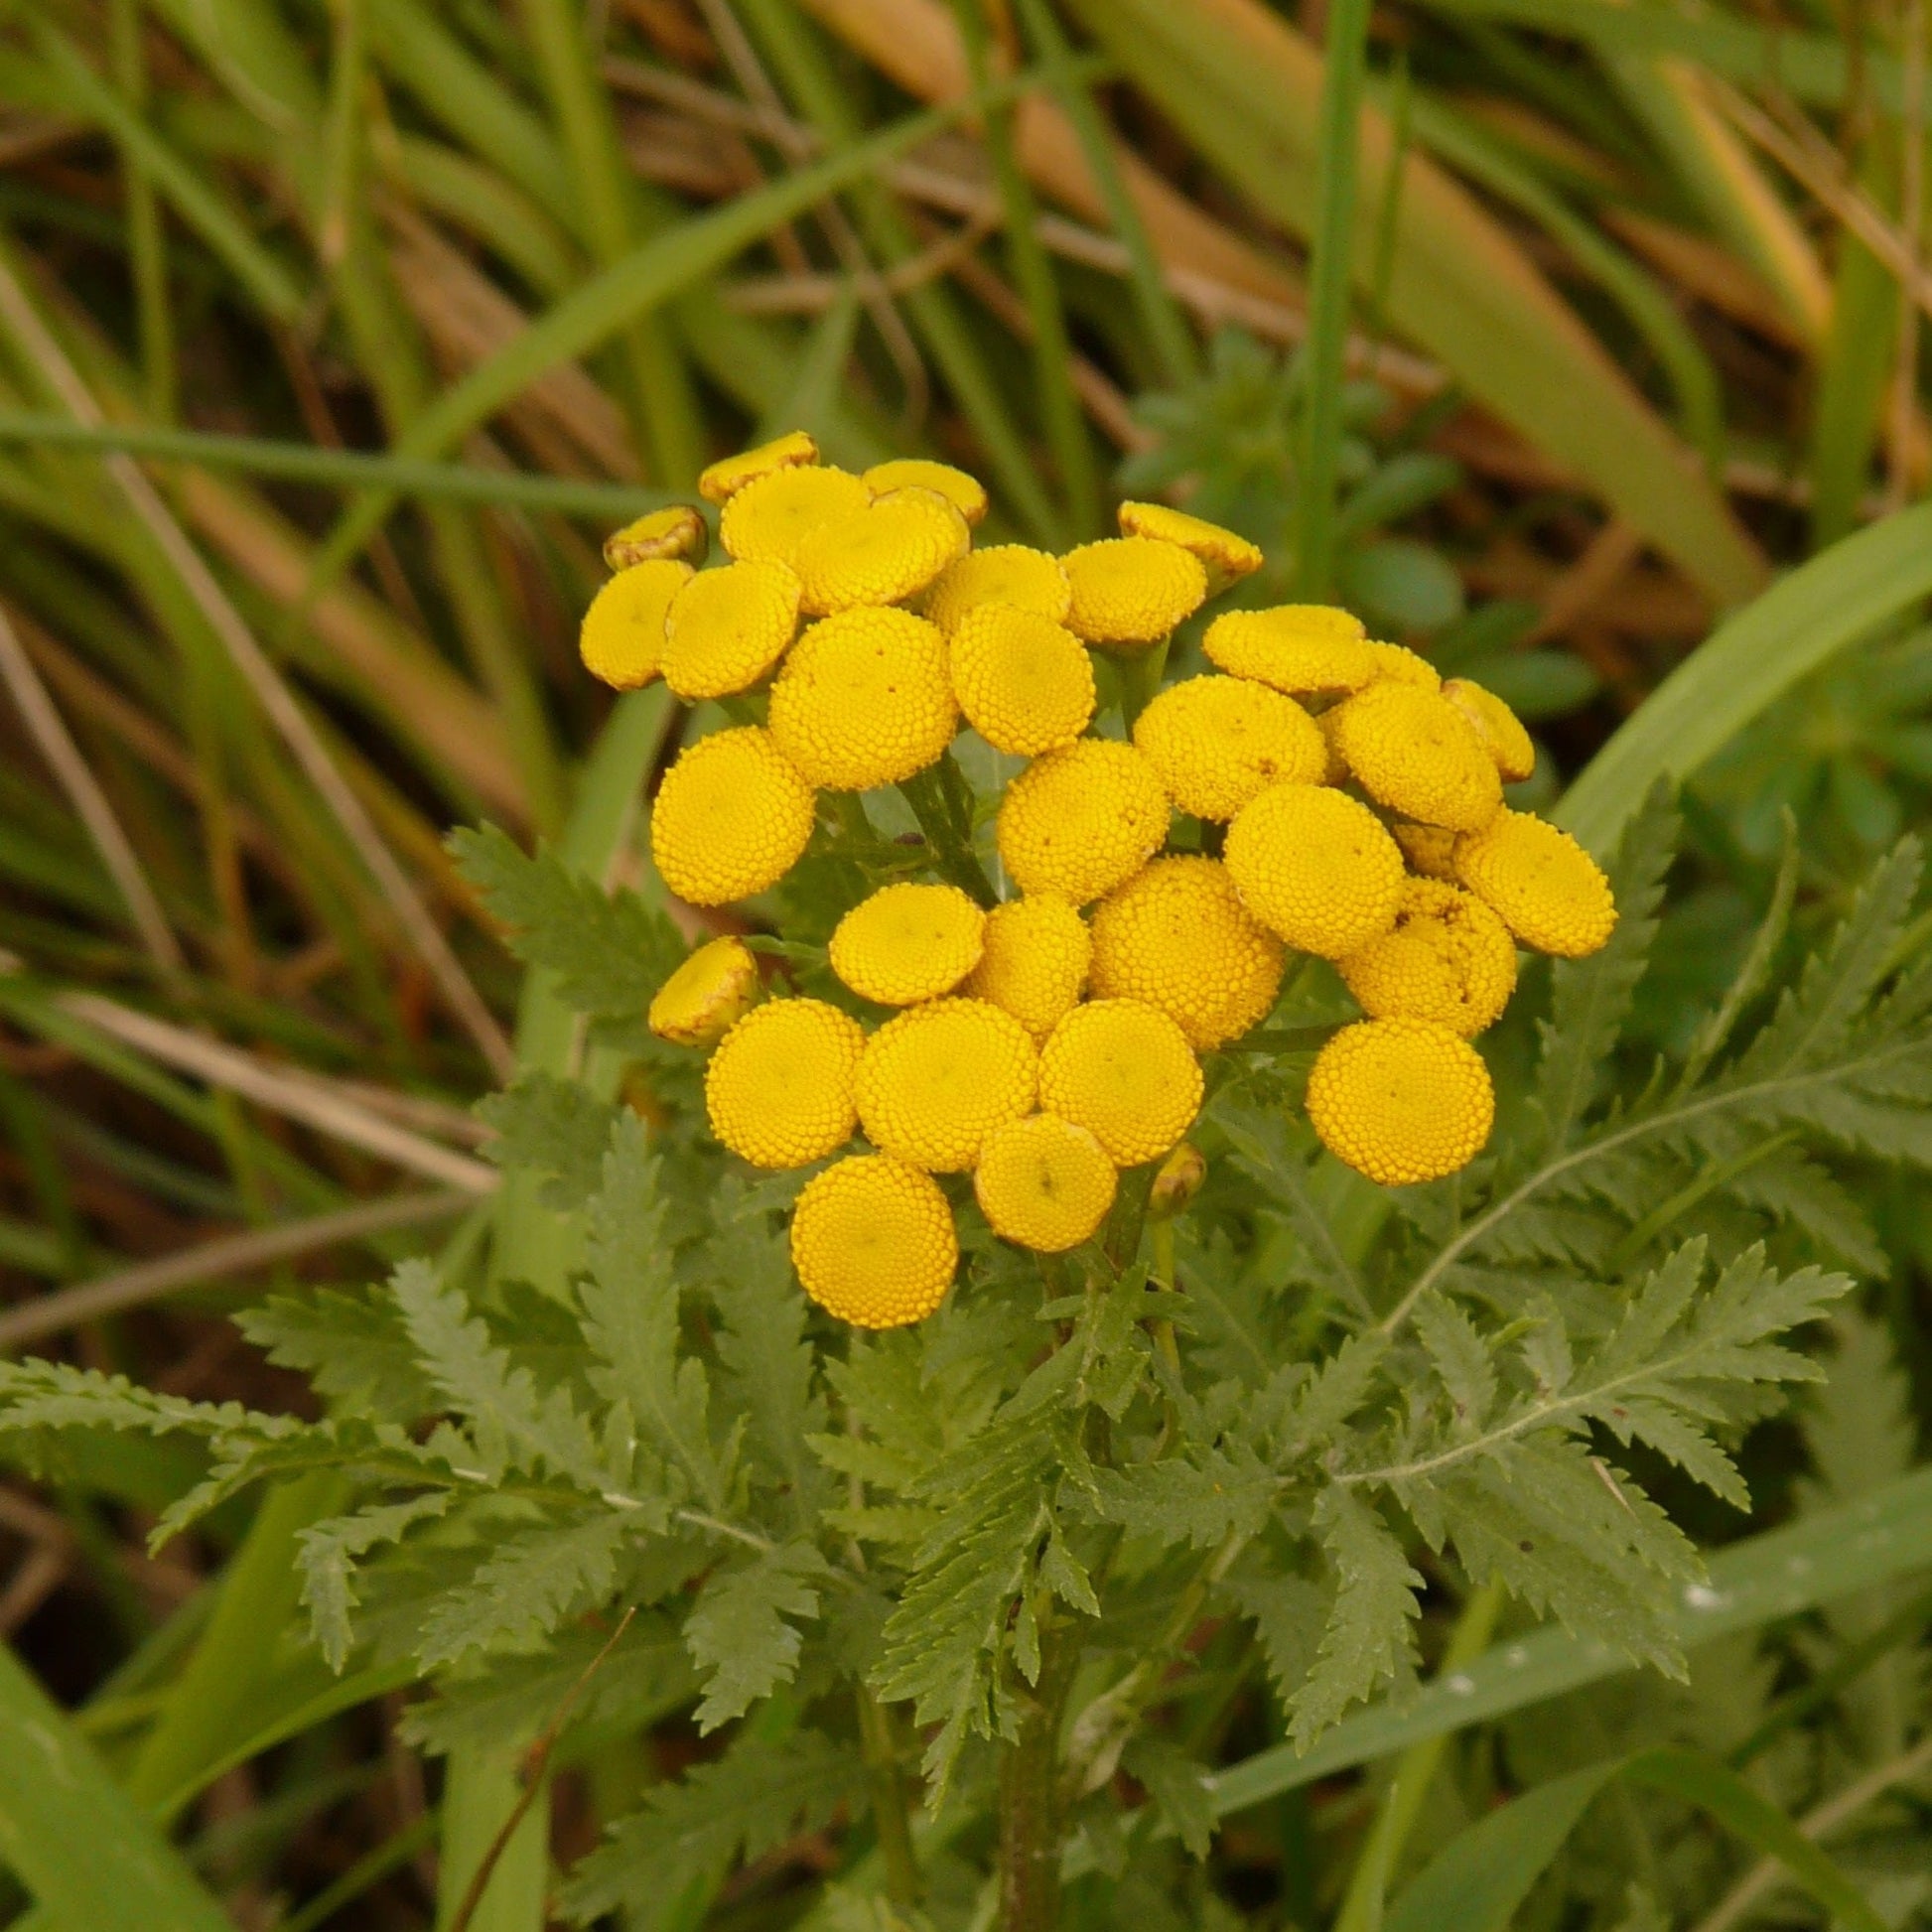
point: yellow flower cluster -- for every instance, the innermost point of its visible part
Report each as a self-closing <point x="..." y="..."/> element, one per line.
<point x="1346" y="803"/>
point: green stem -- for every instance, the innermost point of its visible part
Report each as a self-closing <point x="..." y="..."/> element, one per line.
<point x="1029" y="1796"/>
<point x="1331" y="257"/>
<point x="1140" y="673"/>
<point x="951" y="857"/>
<point x="881" y="1749"/>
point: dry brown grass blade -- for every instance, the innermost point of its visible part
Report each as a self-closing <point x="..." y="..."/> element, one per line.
<point x="266" y="682"/>
<point x="1707" y="271"/>
<point x="56" y="744"/>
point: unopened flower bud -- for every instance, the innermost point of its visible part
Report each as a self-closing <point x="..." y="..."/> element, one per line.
<point x="1177" y="1182"/>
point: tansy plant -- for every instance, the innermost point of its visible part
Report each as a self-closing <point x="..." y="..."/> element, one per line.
<point x="1183" y="1293"/>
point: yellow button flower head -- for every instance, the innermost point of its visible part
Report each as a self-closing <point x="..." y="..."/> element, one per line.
<point x="621" y="639"/>
<point x="1044" y="1184"/>
<point x="1294" y="647"/>
<point x="771" y="516"/>
<point x="1398" y="665"/>
<point x="892" y="549"/>
<point x="1496" y="725"/>
<point x="1034" y="966"/>
<point x="1122" y="1070"/>
<point x="1025" y="682"/>
<point x="873" y="1242"/>
<point x="1414" y="753"/>
<point x="865" y="700"/>
<point x="1430" y="849"/>
<point x="966" y="494"/>
<point x="938" y="1079"/>
<point x="908" y="944"/>
<point x="675" y="531"/>
<point x="1132" y="589"/>
<point x="1543" y="884"/>
<point x="708" y="995"/>
<point x="722" y="479"/>
<point x="726" y="628"/>
<point x="1218" y="741"/>
<point x="1446" y="958"/>
<point x="1316" y="868"/>
<point x="1401" y="1100"/>
<point x="1227" y="557"/>
<point x="779" y="1089"/>
<point x="1080" y="821"/>
<point x="1177" y="936"/>
<point x="1003" y="573"/>
<point x="730" y="820"/>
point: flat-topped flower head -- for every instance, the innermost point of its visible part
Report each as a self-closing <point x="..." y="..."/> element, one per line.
<point x="1499" y="728"/>
<point x="892" y="549"/>
<point x="1132" y="590"/>
<point x="873" y="1242"/>
<point x="1299" y="648"/>
<point x="1446" y="958"/>
<point x="726" y="628"/>
<point x="1035" y="960"/>
<point x="1414" y="751"/>
<point x="1043" y="1183"/>
<point x="771" y="516"/>
<point x="707" y="996"/>
<point x="1177" y="936"/>
<point x="965" y="493"/>
<point x="864" y="699"/>
<point x="1025" y="682"/>
<point x="730" y="818"/>
<point x="621" y="639"/>
<point x="1226" y="557"/>
<point x="1398" y="665"/>
<point x="677" y="530"/>
<point x="1081" y="820"/>
<point x="936" y="1079"/>
<point x="720" y="481"/>
<point x="1218" y="741"/>
<point x="1540" y="881"/>
<point x="1316" y="868"/>
<point x="908" y="942"/>
<point x="1003" y="573"/>
<point x="779" y="1088"/>
<point x="1124" y="1072"/>
<point x="1401" y="1101"/>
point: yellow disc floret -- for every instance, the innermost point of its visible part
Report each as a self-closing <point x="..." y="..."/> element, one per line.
<point x="873" y="1242"/>
<point x="938" y="1079"/>
<point x="966" y="494"/>
<point x="779" y="1088"/>
<point x="726" y="628"/>
<point x="1081" y="820"/>
<point x="1132" y="589"/>
<point x="1294" y="647"/>
<point x="1218" y="741"/>
<point x="1034" y="965"/>
<point x="1003" y="573"/>
<point x="865" y="700"/>
<point x="1124" y="1072"/>
<point x="1044" y="1184"/>
<point x="1316" y="868"/>
<point x="1401" y="1100"/>
<point x="772" y="516"/>
<point x="1398" y="665"/>
<point x="708" y="995"/>
<point x="907" y="942"/>
<point x="1177" y="936"/>
<point x="1496" y="725"/>
<point x="892" y="549"/>
<point x="622" y="635"/>
<point x="1025" y="682"/>
<point x="1414" y="751"/>
<point x="1446" y="958"/>
<point x="1430" y="849"/>
<point x="675" y="531"/>
<point x="1228" y="558"/>
<point x="730" y="820"/>
<point x="722" y="479"/>
<point x="1540" y="881"/>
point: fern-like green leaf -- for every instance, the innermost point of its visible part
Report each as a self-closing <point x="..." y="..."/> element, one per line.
<point x="740" y="1631"/>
